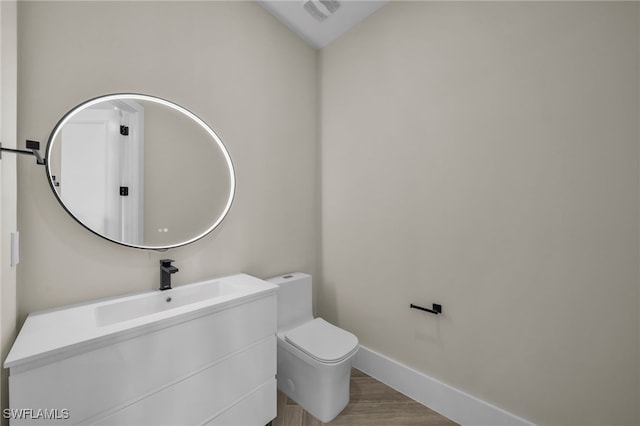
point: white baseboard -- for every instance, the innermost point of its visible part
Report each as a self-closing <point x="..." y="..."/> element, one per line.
<point x="444" y="399"/>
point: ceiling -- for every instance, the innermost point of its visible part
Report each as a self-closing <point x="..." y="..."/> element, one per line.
<point x="319" y="22"/>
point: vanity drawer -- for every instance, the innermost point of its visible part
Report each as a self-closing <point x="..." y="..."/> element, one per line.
<point x="114" y="376"/>
<point x="196" y="399"/>
<point x="258" y="408"/>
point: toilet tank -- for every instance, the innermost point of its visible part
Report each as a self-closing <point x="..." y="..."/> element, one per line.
<point x="294" y="299"/>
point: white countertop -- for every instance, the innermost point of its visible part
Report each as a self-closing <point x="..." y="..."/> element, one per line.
<point x="50" y="333"/>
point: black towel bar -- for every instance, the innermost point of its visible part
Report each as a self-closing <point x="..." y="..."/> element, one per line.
<point x="437" y="309"/>
<point x="32" y="146"/>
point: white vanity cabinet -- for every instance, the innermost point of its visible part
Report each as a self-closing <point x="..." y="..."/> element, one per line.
<point x="196" y="364"/>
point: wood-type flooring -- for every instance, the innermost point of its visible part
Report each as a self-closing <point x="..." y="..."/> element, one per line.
<point x="371" y="404"/>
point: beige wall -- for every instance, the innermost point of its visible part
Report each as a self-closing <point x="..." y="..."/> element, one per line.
<point x="233" y="65"/>
<point x="480" y="155"/>
<point x="485" y="156"/>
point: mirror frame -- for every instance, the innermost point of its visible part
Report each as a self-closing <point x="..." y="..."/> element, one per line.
<point x="137" y="96"/>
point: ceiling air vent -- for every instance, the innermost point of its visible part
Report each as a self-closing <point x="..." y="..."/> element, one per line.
<point x="321" y="9"/>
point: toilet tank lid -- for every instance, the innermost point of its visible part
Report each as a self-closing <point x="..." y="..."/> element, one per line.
<point x="322" y="340"/>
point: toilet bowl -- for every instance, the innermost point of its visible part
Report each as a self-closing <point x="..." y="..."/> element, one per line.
<point x="314" y="356"/>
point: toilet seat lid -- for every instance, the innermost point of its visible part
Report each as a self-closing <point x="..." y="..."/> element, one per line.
<point x="322" y="340"/>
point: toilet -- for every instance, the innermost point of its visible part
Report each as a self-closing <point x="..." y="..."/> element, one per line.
<point x="314" y="356"/>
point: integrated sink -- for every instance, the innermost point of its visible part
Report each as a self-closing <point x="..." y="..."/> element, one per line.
<point x="159" y="301"/>
<point x="94" y="324"/>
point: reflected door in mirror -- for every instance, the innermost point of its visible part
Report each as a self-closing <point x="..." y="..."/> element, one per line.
<point x="98" y="158"/>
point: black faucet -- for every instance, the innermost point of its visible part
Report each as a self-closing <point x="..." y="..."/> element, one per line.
<point x="166" y="269"/>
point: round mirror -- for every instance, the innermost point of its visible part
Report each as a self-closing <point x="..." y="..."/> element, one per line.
<point x="140" y="171"/>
